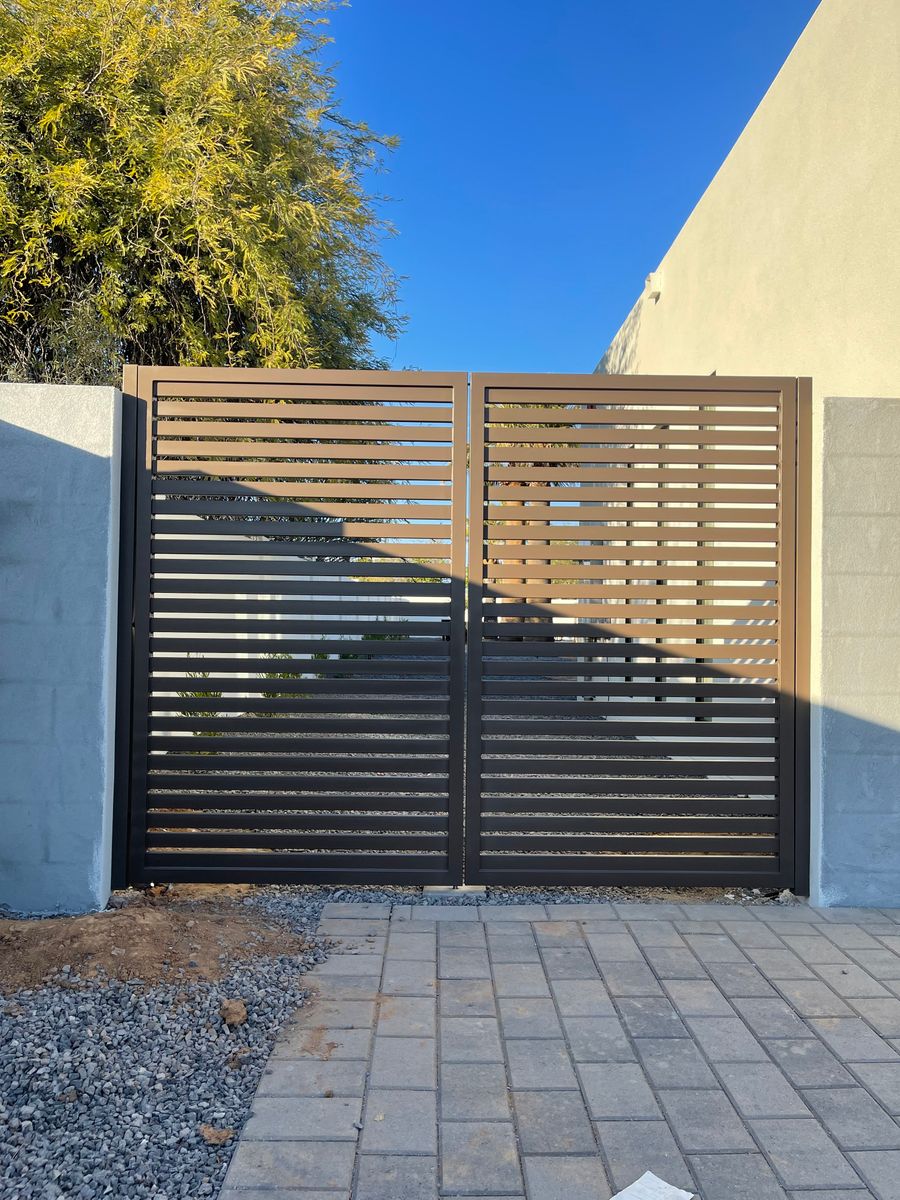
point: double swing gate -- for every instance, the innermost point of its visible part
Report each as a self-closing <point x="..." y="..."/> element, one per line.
<point x="402" y="627"/>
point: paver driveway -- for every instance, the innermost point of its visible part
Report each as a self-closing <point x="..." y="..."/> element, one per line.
<point x="741" y="1053"/>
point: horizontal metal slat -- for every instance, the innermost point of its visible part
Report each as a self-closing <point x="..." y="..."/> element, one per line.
<point x="210" y="784"/>
<point x="370" y="842"/>
<point x="580" y="415"/>
<point x="394" y="823"/>
<point x="249" y="432"/>
<point x="199" y="804"/>
<point x="299" y="527"/>
<point x="211" y="759"/>
<point x="549" y="846"/>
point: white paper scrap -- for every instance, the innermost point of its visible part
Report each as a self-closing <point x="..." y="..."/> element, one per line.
<point x="651" y="1187"/>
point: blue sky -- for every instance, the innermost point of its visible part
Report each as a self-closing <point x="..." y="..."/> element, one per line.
<point x="549" y="155"/>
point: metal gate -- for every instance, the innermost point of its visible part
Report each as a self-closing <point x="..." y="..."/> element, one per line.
<point x="296" y="633"/>
<point x="298" y="625"/>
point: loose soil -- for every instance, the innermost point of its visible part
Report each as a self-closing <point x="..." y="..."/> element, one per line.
<point x="163" y="934"/>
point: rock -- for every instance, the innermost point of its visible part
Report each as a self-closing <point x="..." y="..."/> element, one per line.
<point x="215" y="1137"/>
<point x="233" y="1012"/>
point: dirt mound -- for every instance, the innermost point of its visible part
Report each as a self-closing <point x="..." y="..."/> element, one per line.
<point x="157" y="935"/>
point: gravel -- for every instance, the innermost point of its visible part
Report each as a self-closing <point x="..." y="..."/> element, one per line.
<point x="281" y="900"/>
<point x="103" y="1086"/>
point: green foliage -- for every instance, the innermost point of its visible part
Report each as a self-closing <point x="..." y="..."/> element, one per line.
<point x="179" y="186"/>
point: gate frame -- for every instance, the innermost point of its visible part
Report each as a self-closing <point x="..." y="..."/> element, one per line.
<point x="130" y="788"/>
<point x="465" y="651"/>
<point x="794" y="602"/>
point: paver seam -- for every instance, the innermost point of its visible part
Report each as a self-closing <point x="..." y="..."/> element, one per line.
<point x="354" y="1177"/>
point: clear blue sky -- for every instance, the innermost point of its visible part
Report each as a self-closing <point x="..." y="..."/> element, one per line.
<point x="549" y="155"/>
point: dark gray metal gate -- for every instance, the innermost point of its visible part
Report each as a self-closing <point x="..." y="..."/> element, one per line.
<point x="635" y="655"/>
<point x="297" y="630"/>
<point x="298" y="625"/>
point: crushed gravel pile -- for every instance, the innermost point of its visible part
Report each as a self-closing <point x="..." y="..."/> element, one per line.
<point x="133" y="1091"/>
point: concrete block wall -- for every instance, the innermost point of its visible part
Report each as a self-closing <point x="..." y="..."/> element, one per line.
<point x="59" y="498"/>
<point x="855" y="856"/>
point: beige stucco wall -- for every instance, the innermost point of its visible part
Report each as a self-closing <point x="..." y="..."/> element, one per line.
<point x="790" y="263"/>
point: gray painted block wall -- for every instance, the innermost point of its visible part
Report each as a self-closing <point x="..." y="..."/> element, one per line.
<point x="856" y="725"/>
<point x="59" y="496"/>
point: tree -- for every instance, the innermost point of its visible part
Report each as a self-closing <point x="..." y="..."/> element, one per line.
<point x="179" y="186"/>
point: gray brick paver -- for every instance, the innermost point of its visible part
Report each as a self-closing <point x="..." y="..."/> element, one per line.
<point x="520" y="979"/>
<point x="580" y="984"/>
<point x="616" y="1091"/>
<point x="303" y="1118"/>
<point x="882" y="1014"/>
<point x="470" y="1039"/>
<point x="812" y="998"/>
<point x="808" y="1063"/>
<point x="651" y="1016"/>
<point x="726" y="1039"/>
<point x="854" y="1119"/>
<point x="461" y="935"/>
<point x="553" y="1123"/>
<point x="715" y="948"/>
<point x="737" y="1177"/>
<point x="814" y="950"/>
<point x="474" y="1092"/>
<point x="404" y="1062"/>
<point x="852" y="1040"/>
<point x="881" y="1170"/>
<point x="570" y="1178"/>
<point x="582" y="998"/>
<point x="399" y="1122"/>
<point x="598" y="1039"/>
<point x="803" y="1155"/>
<point x="630" y="979"/>
<point x="569" y="962"/>
<point x="322" y="1042"/>
<point x="312" y="1077"/>
<point x="529" y="1018"/>
<point x="268" y="1165"/>
<point x="770" y="1018"/>
<point x="633" y="1147"/>
<point x="467" y="998"/>
<point x="739" y="979"/>
<point x="409" y="979"/>
<point x="883" y="1081"/>
<point x="396" y="1177"/>
<point x="674" y="1063"/>
<point x="656" y="933"/>
<point x="512" y="912"/>
<point x="463" y="962"/>
<point x="698" y="998"/>
<point x="479" y="1155"/>
<point x="851" y="982"/>
<point x="761" y="1090"/>
<point x="614" y="948"/>
<point x="779" y="963"/>
<point x="752" y="934"/>
<point x="540" y="1065"/>
<point x="406" y="1016"/>
<point x="669" y="962"/>
<point x="558" y="933"/>
<point x="883" y="965"/>
<point x="704" y="1121"/>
